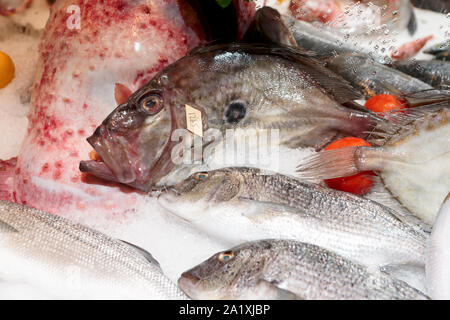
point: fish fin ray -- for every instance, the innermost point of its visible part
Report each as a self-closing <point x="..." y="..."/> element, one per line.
<point x="399" y="120"/>
<point x="429" y="97"/>
<point x="147" y="255"/>
<point x="5" y="227"/>
<point x="329" y="164"/>
<point x="273" y="292"/>
<point x="260" y="208"/>
<point x="121" y="93"/>
<point x="413" y="275"/>
<point x="333" y="84"/>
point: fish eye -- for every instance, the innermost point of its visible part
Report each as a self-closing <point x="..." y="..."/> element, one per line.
<point x="152" y="104"/>
<point x="226" y="256"/>
<point x="235" y="112"/>
<point x="201" y="176"/>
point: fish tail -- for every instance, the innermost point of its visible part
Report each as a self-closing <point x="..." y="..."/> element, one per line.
<point x="7" y="169"/>
<point x="341" y="163"/>
<point x="429" y="97"/>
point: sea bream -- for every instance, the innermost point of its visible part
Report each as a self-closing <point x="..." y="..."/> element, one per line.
<point x="289" y="270"/>
<point x="413" y="162"/>
<point x="244" y="204"/>
<point x="259" y="86"/>
<point x="70" y="261"/>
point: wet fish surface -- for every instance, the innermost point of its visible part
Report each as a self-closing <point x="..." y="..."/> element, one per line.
<point x="324" y="43"/>
<point x="441" y="51"/>
<point x="244" y="204"/>
<point x="442" y="6"/>
<point x="373" y="78"/>
<point x="434" y="72"/>
<point x="413" y="162"/>
<point x="72" y="261"/>
<point x="284" y="270"/>
<point x="259" y="86"/>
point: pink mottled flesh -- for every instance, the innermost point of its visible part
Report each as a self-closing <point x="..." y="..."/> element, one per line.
<point x="116" y="41"/>
<point x="410" y="49"/>
<point x="9" y="7"/>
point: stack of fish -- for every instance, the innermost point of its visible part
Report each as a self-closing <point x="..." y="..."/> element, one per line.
<point x="289" y="238"/>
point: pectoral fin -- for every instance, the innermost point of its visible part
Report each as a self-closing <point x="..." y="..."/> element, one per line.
<point x="147" y="255"/>
<point x="4" y="227"/>
<point x="259" y="209"/>
<point x="269" y="291"/>
<point x="411" y="274"/>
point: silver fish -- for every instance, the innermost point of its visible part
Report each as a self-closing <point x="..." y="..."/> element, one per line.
<point x="283" y="269"/>
<point x="434" y="72"/>
<point x="69" y="260"/>
<point x="243" y="204"/>
<point x="373" y="78"/>
<point x="256" y="86"/>
<point x="325" y="43"/>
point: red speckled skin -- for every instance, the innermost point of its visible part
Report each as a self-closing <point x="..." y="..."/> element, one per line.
<point x="9" y="7"/>
<point x="120" y="41"/>
<point x="245" y="12"/>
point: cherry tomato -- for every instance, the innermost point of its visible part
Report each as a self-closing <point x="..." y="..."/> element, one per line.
<point x="385" y="103"/>
<point x="7" y="70"/>
<point x="360" y="183"/>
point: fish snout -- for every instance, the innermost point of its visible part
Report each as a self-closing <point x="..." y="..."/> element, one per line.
<point x="95" y="140"/>
<point x="187" y="282"/>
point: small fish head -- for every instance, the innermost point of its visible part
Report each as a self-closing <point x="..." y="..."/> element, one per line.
<point x="223" y="276"/>
<point x="134" y="140"/>
<point x="200" y="192"/>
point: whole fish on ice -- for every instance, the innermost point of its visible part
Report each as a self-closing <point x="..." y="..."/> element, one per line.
<point x="68" y="260"/>
<point x="414" y="162"/>
<point x="373" y="78"/>
<point x="322" y="42"/>
<point x="258" y="86"/>
<point x="434" y="72"/>
<point x="243" y="204"/>
<point x="288" y="270"/>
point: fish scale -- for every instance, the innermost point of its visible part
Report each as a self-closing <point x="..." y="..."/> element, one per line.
<point x="55" y="247"/>
<point x="286" y="269"/>
<point x="251" y="205"/>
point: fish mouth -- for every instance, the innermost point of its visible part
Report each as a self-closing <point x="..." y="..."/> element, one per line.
<point x="117" y="168"/>
<point x="188" y="283"/>
<point x="98" y="169"/>
<point x="194" y="288"/>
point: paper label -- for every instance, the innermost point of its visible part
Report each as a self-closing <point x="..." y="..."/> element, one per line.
<point x="194" y="120"/>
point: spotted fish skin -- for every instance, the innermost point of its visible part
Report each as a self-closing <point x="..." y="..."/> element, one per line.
<point x="48" y="247"/>
<point x="245" y="204"/>
<point x="286" y="269"/>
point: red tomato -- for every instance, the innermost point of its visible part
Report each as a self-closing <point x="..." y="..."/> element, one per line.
<point x="385" y="103"/>
<point x="358" y="184"/>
